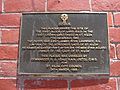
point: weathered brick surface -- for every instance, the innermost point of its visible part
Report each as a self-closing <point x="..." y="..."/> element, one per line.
<point x="24" y="5"/>
<point x="9" y="20"/>
<point x="117" y="19"/>
<point x="8" y="52"/>
<point x="106" y="5"/>
<point x="8" y="68"/>
<point x="10" y="36"/>
<point x="45" y="85"/>
<point x="7" y="84"/>
<point x="63" y="5"/>
<point x="118" y="51"/>
<point x="102" y="84"/>
<point x="114" y="34"/>
<point x="114" y="68"/>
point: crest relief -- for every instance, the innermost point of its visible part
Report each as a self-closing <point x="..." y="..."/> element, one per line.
<point x="64" y="18"/>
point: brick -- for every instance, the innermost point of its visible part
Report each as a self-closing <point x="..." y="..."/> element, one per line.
<point x="8" y="68"/>
<point x="114" y="68"/>
<point x="24" y="5"/>
<point x="7" y="84"/>
<point x="10" y="36"/>
<point x="110" y="19"/>
<point x="118" y="51"/>
<point x="58" y="5"/>
<point x="8" y="52"/>
<point x="117" y="19"/>
<point x="95" y="84"/>
<point x="114" y="34"/>
<point x="45" y="84"/>
<point x="112" y="51"/>
<point x="9" y="20"/>
<point x="106" y="5"/>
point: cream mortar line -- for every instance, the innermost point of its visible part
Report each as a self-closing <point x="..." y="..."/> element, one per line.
<point x="12" y="45"/>
<point x="71" y="11"/>
<point x="115" y="47"/>
<point x="67" y="11"/>
<point x="10" y="13"/>
<point x="112" y="16"/>
<point x="116" y="13"/>
<point x="90" y="3"/>
<point x="13" y="77"/>
<point x="114" y="60"/>
<point x="7" y="77"/>
<point x="46" y="5"/>
<point x="117" y="84"/>
<point x="3" y="6"/>
<point x="4" y="27"/>
<point x="9" y="29"/>
<point x="7" y="61"/>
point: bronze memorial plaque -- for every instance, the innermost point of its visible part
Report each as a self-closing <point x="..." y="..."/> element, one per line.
<point x="64" y="44"/>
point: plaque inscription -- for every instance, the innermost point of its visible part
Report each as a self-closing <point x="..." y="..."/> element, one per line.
<point x="64" y="43"/>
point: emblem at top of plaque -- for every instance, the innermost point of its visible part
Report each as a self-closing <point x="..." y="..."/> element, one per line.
<point x="64" y="23"/>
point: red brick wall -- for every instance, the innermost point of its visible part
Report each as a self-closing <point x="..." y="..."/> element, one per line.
<point x="10" y="14"/>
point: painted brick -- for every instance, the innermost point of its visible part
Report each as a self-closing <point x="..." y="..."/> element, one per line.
<point x="8" y="68"/>
<point x="112" y="50"/>
<point x="7" y="84"/>
<point x="58" y="5"/>
<point x="9" y="20"/>
<point x="118" y="51"/>
<point x="106" y="5"/>
<point x="114" y="68"/>
<point x="114" y="34"/>
<point x="117" y="19"/>
<point x="96" y="84"/>
<point x="8" y="52"/>
<point x="45" y="85"/>
<point x="24" y="5"/>
<point x="10" y="36"/>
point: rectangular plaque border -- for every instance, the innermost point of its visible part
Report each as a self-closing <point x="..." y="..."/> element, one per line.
<point x="61" y="74"/>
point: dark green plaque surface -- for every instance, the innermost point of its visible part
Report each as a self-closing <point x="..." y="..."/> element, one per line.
<point x="64" y="44"/>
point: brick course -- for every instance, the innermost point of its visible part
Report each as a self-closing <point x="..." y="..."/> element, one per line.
<point x="8" y="52"/>
<point x="117" y="19"/>
<point x="10" y="36"/>
<point x="9" y="20"/>
<point x="24" y="5"/>
<point x="65" y="5"/>
<point x="106" y="5"/>
<point x="96" y="84"/>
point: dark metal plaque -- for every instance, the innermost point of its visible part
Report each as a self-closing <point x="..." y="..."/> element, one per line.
<point x="64" y="44"/>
